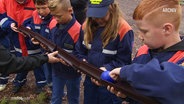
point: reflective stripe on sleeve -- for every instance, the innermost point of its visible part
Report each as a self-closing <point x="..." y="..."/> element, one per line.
<point x="109" y="52"/>
<point x="29" y="51"/>
<point x="3" y="21"/>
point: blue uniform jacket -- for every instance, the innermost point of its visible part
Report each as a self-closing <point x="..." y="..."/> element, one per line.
<point x="117" y="53"/>
<point x="43" y="26"/>
<point x="66" y="39"/>
<point x="4" y="40"/>
<point x="158" y="74"/>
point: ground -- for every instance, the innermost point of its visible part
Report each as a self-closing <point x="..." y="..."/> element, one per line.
<point x="27" y="92"/>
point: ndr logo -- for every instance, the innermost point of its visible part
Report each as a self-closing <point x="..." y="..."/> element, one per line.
<point x="169" y="10"/>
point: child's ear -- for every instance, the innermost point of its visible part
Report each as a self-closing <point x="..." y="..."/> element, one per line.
<point x="168" y="28"/>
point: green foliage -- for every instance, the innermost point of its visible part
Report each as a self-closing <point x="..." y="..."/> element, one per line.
<point x="4" y="101"/>
<point x="14" y="102"/>
<point x="40" y="99"/>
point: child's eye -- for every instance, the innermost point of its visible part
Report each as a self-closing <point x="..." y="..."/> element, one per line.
<point x="144" y="31"/>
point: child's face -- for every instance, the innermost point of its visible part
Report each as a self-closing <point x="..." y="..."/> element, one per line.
<point x="102" y="21"/>
<point x="43" y="10"/>
<point x="62" y="16"/>
<point x="151" y="35"/>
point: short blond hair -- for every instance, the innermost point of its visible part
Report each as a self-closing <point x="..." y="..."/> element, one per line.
<point x="53" y="4"/>
<point x="159" y="12"/>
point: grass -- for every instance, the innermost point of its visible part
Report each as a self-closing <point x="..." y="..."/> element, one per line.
<point x="40" y="99"/>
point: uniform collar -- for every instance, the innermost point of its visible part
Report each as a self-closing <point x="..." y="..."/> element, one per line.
<point x="176" y="47"/>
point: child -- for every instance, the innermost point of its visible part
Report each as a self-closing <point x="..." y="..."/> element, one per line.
<point x="65" y="35"/>
<point x="157" y="70"/>
<point x="107" y="43"/>
<point x="42" y="23"/>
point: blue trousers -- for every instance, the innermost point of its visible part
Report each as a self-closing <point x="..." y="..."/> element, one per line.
<point x="4" y="40"/>
<point x="20" y="78"/>
<point x="48" y="72"/>
<point x="73" y="90"/>
<point x="94" y="94"/>
<point x="4" y="79"/>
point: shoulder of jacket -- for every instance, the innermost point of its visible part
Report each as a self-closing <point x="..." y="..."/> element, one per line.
<point x="74" y="31"/>
<point x="36" y="18"/>
<point x="124" y="28"/>
<point x="178" y="56"/>
<point x="142" y="50"/>
<point x="52" y="23"/>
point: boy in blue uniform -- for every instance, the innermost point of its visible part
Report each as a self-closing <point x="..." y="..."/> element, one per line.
<point x="65" y="35"/>
<point x="106" y="43"/>
<point x="157" y="70"/>
<point x="42" y="23"/>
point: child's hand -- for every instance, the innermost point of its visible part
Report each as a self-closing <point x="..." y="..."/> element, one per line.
<point x="117" y="93"/>
<point x="79" y="70"/>
<point x="103" y="68"/>
<point x="96" y="82"/>
<point x="114" y="74"/>
<point x="34" y="41"/>
<point x="13" y="27"/>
